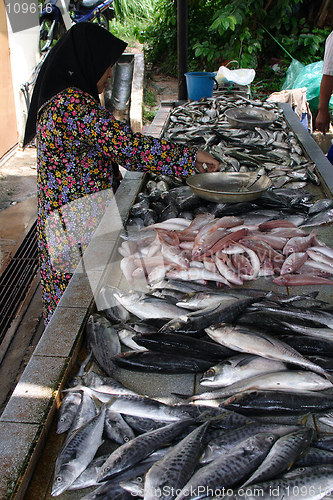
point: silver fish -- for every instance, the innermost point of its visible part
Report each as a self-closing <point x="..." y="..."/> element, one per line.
<point x="247" y="340"/>
<point x="108" y="488"/>
<point x="283" y="453"/>
<point x="314" y="482"/>
<point x="103" y="340"/>
<point x="142" y="406"/>
<point x="78" y="451"/>
<point x="288" y="380"/>
<point x="238" y="368"/>
<point x="106" y="302"/>
<point x="175" y="469"/>
<point x="85" y="412"/>
<point x="221" y="442"/>
<point x="145" y="306"/>
<point x="67" y="411"/>
<point x="116" y="428"/>
<point x="132" y="452"/>
<point x="229" y="469"/>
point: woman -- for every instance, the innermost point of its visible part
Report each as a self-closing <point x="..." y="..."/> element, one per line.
<point x="326" y="88"/>
<point x="78" y="141"/>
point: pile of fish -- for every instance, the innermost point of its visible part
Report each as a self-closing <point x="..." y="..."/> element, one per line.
<point x="256" y="356"/>
<point x="127" y="445"/>
<point x="274" y="151"/>
<point x="228" y="250"/>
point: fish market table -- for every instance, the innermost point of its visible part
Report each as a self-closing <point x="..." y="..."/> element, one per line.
<point x="32" y="410"/>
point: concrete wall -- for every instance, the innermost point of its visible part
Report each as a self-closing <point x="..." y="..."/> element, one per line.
<point x="24" y="56"/>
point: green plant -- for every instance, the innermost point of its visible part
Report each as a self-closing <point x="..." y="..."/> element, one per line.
<point x="247" y="31"/>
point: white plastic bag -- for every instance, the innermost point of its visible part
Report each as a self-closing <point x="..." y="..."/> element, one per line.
<point x="239" y="76"/>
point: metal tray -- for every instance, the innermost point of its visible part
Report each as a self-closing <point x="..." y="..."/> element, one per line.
<point x="229" y="187"/>
<point x="250" y="118"/>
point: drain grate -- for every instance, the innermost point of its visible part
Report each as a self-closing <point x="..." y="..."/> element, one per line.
<point x="16" y="279"/>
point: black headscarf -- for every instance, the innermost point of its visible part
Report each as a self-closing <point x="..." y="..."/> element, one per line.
<point x="79" y="59"/>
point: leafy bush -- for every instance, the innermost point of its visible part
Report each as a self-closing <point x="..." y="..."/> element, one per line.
<point x="249" y="32"/>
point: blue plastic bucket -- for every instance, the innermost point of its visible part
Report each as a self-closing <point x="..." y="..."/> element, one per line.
<point x="200" y="84"/>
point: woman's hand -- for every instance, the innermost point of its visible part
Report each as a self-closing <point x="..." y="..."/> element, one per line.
<point x="211" y="164"/>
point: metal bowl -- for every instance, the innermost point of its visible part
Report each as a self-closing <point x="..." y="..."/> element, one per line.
<point x="229" y="187"/>
<point x="250" y="118"/>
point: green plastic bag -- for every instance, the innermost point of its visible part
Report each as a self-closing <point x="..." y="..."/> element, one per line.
<point x="310" y="77"/>
<point x="293" y="71"/>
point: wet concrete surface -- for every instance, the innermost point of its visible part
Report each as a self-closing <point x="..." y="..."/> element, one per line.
<point x="18" y="200"/>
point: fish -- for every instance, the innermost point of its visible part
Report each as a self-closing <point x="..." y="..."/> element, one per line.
<point x="109" y="489"/>
<point x="220" y="442"/>
<point x="103" y="341"/>
<point x="67" y="411"/>
<point x="172" y="343"/>
<point x="284" y="452"/>
<point x="314" y="456"/>
<point x="116" y="428"/>
<point x="255" y="342"/>
<point x="137" y="449"/>
<point x="85" y="412"/>
<point x="106" y="302"/>
<point x="313" y="314"/>
<point x="301" y="280"/>
<point x="77" y="452"/>
<point x="145" y="306"/>
<point x="173" y="471"/>
<point x="293" y="262"/>
<point x="229" y="469"/>
<point x="299" y="243"/>
<point x="251" y="403"/>
<point x="201" y="319"/>
<point x="126" y="335"/>
<point x="315" y="482"/>
<point x="237" y="368"/>
<point x="287" y="380"/>
<point x="160" y="362"/>
<point x="325" y="217"/>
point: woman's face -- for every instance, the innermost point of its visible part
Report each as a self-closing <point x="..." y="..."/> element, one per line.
<point x="103" y="81"/>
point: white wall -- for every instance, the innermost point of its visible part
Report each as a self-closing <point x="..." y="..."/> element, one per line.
<point x="24" y="55"/>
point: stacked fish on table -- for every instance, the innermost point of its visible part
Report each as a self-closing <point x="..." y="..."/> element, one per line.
<point x="224" y="439"/>
<point x="262" y="355"/>
<point x="228" y="250"/>
<point x="274" y="151"/>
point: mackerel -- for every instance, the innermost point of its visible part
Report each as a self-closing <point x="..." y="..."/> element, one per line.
<point x="288" y="380"/>
<point x="229" y="469"/>
<point x="173" y="471"/>
<point x="129" y="454"/>
<point x="309" y="483"/>
<point x="255" y="342"/>
<point x="283" y="453"/>
<point x="239" y="367"/>
<point x="77" y="452"/>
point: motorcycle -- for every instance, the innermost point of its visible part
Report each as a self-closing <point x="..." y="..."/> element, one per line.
<point x="57" y="16"/>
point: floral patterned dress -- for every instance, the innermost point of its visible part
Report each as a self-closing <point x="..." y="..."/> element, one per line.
<point x="77" y="141"/>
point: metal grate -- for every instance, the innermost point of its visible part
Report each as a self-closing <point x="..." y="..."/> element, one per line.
<point x="16" y="279"/>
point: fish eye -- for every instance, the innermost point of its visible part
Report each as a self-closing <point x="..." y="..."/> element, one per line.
<point x="139" y="479"/>
<point x="210" y="372"/>
<point x="106" y="469"/>
<point x="126" y="439"/>
<point x="61" y="419"/>
<point x="59" y="479"/>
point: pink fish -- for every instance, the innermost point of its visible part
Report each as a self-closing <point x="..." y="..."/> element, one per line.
<point x="301" y="280"/>
<point x="299" y="243"/>
<point x="293" y="262"/>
